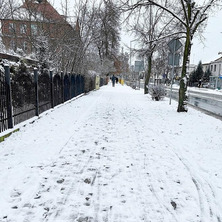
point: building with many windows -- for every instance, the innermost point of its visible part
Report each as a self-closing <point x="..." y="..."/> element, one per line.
<point x="35" y="19"/>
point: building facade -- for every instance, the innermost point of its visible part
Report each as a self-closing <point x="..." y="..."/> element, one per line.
<point x="216" y="71"/>
<point x="216" y="67"/>
<point x="35" y="19"/>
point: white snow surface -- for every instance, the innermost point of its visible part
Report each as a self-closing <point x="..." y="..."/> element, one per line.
<point x="113" y="155"/>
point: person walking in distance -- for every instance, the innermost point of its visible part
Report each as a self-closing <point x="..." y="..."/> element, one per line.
<point x="113" y="80"/>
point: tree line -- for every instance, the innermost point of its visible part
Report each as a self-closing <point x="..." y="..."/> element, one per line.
<point x="153" y="23"/>
<point x="156" y="22"/>
<point x="93" y="45"/>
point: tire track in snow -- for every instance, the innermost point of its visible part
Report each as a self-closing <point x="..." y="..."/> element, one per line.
<point x="135" y="122"/>
<point x="74" y="180"/>
<point x="101" y="210"/>
<point x="53" y="168"/>
<point x="207" y="200"/>
<point x="135" y="172"/>
<point x="78" y="183"/>
<point x="205" y="192"/>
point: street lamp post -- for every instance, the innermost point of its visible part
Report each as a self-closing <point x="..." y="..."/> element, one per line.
<point x="131" y="56"/>
<point x="131" y="49"/>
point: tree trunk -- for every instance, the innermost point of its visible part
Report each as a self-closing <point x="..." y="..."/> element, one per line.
<point x="147" y="79"/>
<point x="182" y="102"/>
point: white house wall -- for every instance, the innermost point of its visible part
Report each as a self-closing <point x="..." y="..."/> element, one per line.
<point x="216" y="67"/>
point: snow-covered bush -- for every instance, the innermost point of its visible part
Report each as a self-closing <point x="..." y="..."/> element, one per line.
<point x="157" y="92"/>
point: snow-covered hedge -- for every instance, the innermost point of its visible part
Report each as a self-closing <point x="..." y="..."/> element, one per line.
<point x="157" y="92"/>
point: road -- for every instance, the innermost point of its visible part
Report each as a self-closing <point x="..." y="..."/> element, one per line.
<point x="205" y="99"/>
<point x="202" y="98"/>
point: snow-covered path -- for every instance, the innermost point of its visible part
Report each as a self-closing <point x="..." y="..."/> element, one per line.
<point x="113" y="155"/>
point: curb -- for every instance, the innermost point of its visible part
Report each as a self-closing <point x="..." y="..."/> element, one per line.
<point x="2" y="138"/>
<point x="33" y="119"/>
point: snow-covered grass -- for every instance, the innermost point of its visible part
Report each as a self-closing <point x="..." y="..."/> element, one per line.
<point x="113" y="155"/>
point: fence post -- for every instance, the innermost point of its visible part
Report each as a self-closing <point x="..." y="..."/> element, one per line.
<point x="8" y="96"/>
<point x="70" y="87"/>
<point x="83" y="86"/>
<point x="51" y="89"/>
<point x="36" y="92"/>
<point x="80" y="84"/>
<point x="62" y="81"/>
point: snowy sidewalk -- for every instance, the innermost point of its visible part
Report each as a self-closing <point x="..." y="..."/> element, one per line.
<point x="113" y="155"/>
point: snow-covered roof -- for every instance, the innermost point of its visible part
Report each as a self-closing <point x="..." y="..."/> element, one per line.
<point x="218" y="60"/>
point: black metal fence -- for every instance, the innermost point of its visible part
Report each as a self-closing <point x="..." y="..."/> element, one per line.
<point x="24" y="95"/>
<point x="3" y="103"/>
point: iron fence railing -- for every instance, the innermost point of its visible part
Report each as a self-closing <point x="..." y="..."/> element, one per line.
<point x="3" y="103"/>
<point x="24" y="95"/>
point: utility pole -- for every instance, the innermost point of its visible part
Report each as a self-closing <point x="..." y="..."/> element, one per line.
<point x="131" y="53"/>
<point x="173" y="45"/>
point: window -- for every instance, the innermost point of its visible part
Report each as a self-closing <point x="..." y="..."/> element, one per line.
<point x="215" y="68"/>
<point x="23" y="29"/>
<point x="25" y="46"/>
<point x="211" y="68"/>
<point x="11" y="27"/>
<point x="34" y="29"/>
<point x="12" y="45"/>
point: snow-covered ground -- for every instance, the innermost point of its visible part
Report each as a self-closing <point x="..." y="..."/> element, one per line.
<point x="113" y="155"/>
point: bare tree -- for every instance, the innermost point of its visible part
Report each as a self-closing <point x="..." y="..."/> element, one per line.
<point x="48" y="34"/>
<point x="110" y="28"/>
<point x="99" y="32"/>
<point x="190" y="16"/>
<point x="152" y="28"/>
<point x="7" y="8"/>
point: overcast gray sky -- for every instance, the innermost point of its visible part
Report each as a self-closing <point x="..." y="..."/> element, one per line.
<point x="205" y="49"/>
<point x="212" y="44"/>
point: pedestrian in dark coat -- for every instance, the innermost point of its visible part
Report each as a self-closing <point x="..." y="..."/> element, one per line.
<point x="113" y="78"/>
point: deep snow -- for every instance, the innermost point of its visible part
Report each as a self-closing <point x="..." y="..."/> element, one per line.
<point x="113" y="155"/>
